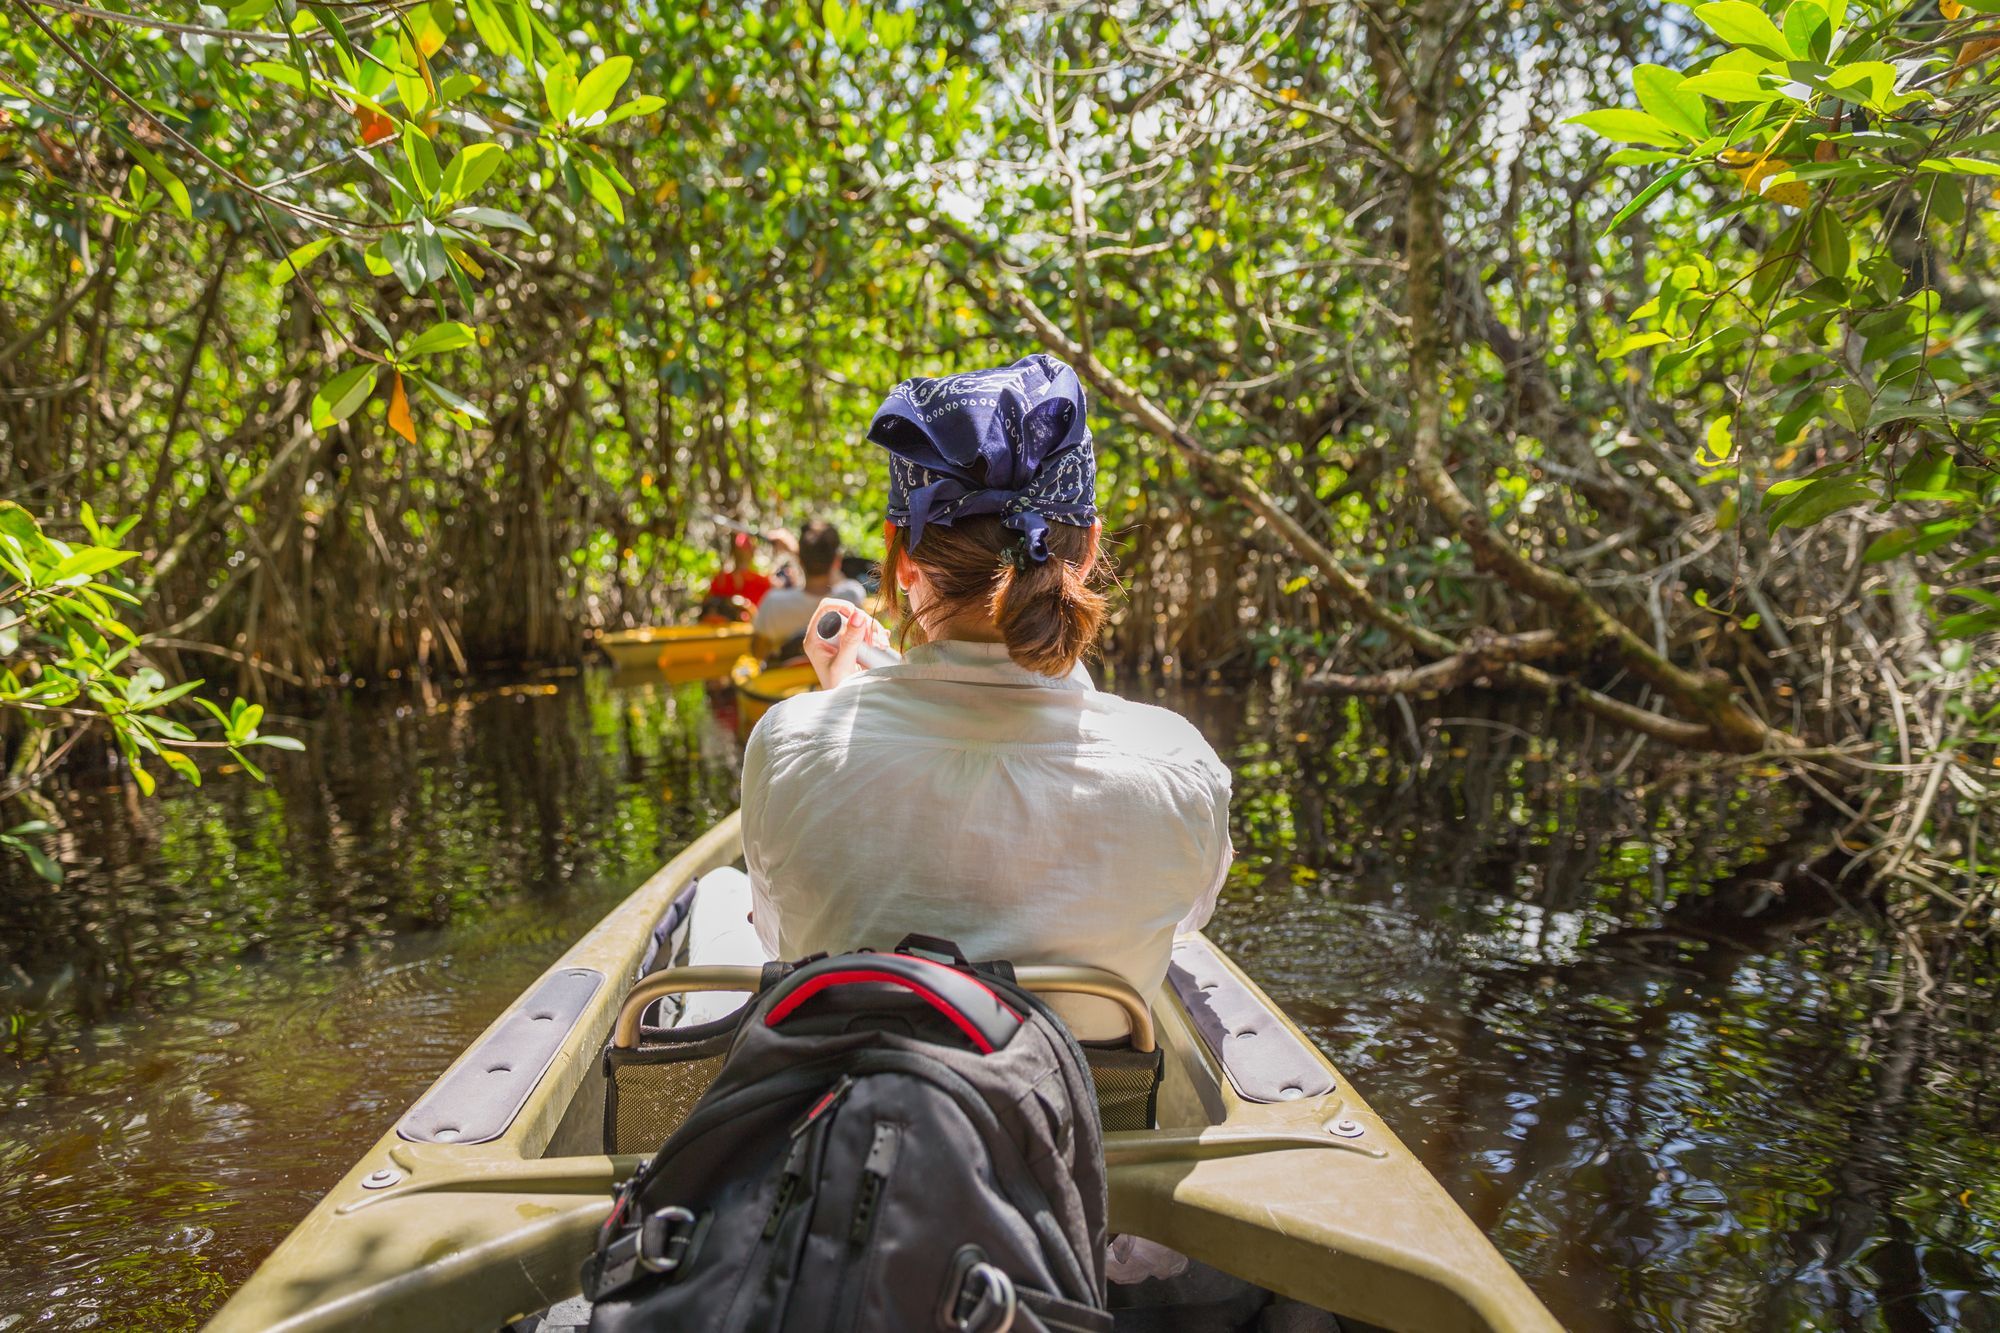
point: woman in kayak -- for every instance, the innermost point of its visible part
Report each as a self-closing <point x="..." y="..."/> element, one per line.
<point x="982" y="789"/>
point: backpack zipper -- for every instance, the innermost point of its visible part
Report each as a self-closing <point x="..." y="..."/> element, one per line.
<point x="795" y="1158"/>
<point x="874" y="1176"/>
<point x="852" y="1288"/>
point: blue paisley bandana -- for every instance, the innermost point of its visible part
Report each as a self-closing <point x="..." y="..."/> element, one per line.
<point x="1010" y="441"/>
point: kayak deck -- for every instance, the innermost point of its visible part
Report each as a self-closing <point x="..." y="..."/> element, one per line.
<point x="1307" y="1194"/>
<point x="677" y="647"/>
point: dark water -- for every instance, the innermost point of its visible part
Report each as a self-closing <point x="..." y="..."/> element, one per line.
<point x="1652" y="1063"/>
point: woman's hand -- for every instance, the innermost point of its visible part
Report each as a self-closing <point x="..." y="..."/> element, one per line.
<point x="838" y="658"/>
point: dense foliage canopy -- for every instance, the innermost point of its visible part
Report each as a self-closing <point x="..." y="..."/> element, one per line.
<point x="425" y="335"/>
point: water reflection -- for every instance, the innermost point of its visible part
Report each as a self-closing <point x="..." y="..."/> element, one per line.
<point x="1603" y="1002"/>
<point x="240" y="986"/>
<point x="1641" y="1043"/>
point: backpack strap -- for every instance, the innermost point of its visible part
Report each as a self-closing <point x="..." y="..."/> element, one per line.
<point x="967" y="1002"/>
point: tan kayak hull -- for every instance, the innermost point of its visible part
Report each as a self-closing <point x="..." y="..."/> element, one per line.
<point x="677" y="648"/>
<point x="467" y="1236"/>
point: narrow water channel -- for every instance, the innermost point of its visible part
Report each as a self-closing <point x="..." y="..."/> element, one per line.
<point x="1679" y="1091"/>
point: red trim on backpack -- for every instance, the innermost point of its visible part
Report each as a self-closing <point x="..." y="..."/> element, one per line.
<point x="958" y="1020"/>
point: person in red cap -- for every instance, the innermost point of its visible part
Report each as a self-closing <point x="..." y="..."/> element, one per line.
<point x="741" y="579"/>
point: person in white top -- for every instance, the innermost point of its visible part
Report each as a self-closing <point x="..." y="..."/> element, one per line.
<point x="785" y="612"/>
<point x="983" y="790"/>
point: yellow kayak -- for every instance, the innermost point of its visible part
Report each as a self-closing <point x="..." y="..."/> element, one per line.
<point x="1260" y="1159"/>
<point x="675" y="647"/>
<point x="759" y="686"/>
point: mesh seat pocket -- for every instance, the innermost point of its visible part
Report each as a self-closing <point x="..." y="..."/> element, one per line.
<point x="649" y="1089"/>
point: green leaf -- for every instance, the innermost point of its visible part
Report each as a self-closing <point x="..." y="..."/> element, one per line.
<point x="447" y="336"/>
<point x="451" y="400"/>
<point x="1718" y="444"/>
<point x="1730" y="85"/>
<point x="162" y="698"/>
<point x="494" y="217"/>
<point x="638" y="106"/>
<point x="1807" y="29"/>
<point x="1633" y="342"/>
<point x="292" y="264"/>
<point x="277" y="73"/>
<point x="1919" y="539"/>
<point x="416" y="256"/>
<point x="1745" y="25"/>
<point x="423" y="160"/>
<point x="182" y="765"/>
<point x="1828" y="244"/>
<point x="280" y="743"/>
<point x="176" y="192"/>
<point x="1646" y="196"/>
<point x="340" y="397"/>
<point x="1821" y="499"/>
<point x="601" y="189"/>
<point x="595" y="93"/>
<point x="470" y="170"/>
<point x="86" y="562"/>
<point x="1659" y="91"/>
<point x="492" y="32"/>
<point x="19" y="524"/>
<point x="1873" y="84"/>
<point x="559" y="89"/>
<point x="1989" y="600"/>
<point x="329" y="20"/>
<point x="38" y="860"/>
<point x="1960" y="166"/>
<point x="1624" y="125"/>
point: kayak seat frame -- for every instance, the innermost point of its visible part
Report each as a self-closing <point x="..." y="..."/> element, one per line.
<point x="654" y="1075"/>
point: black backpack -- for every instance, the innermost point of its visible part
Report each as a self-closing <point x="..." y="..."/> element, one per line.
<point x="893" y="1144"/>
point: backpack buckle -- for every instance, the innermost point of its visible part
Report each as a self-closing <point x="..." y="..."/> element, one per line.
<point x="666" y="1238"/>
<point x="661" y="1243"/>
<point x="985" y="1301"/>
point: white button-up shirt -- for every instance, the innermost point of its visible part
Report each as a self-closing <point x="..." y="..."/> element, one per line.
<point x="1025" y="817"/>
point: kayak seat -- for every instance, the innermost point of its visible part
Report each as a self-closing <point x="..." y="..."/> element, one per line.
<point x="655" y="1074"/>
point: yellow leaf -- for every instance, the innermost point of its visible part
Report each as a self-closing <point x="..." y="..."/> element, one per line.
<point x="399" y="412"/>
<point x="1951" y="9"/>
<point x="1792" y="194"/>
<point x="465" y="261"/>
